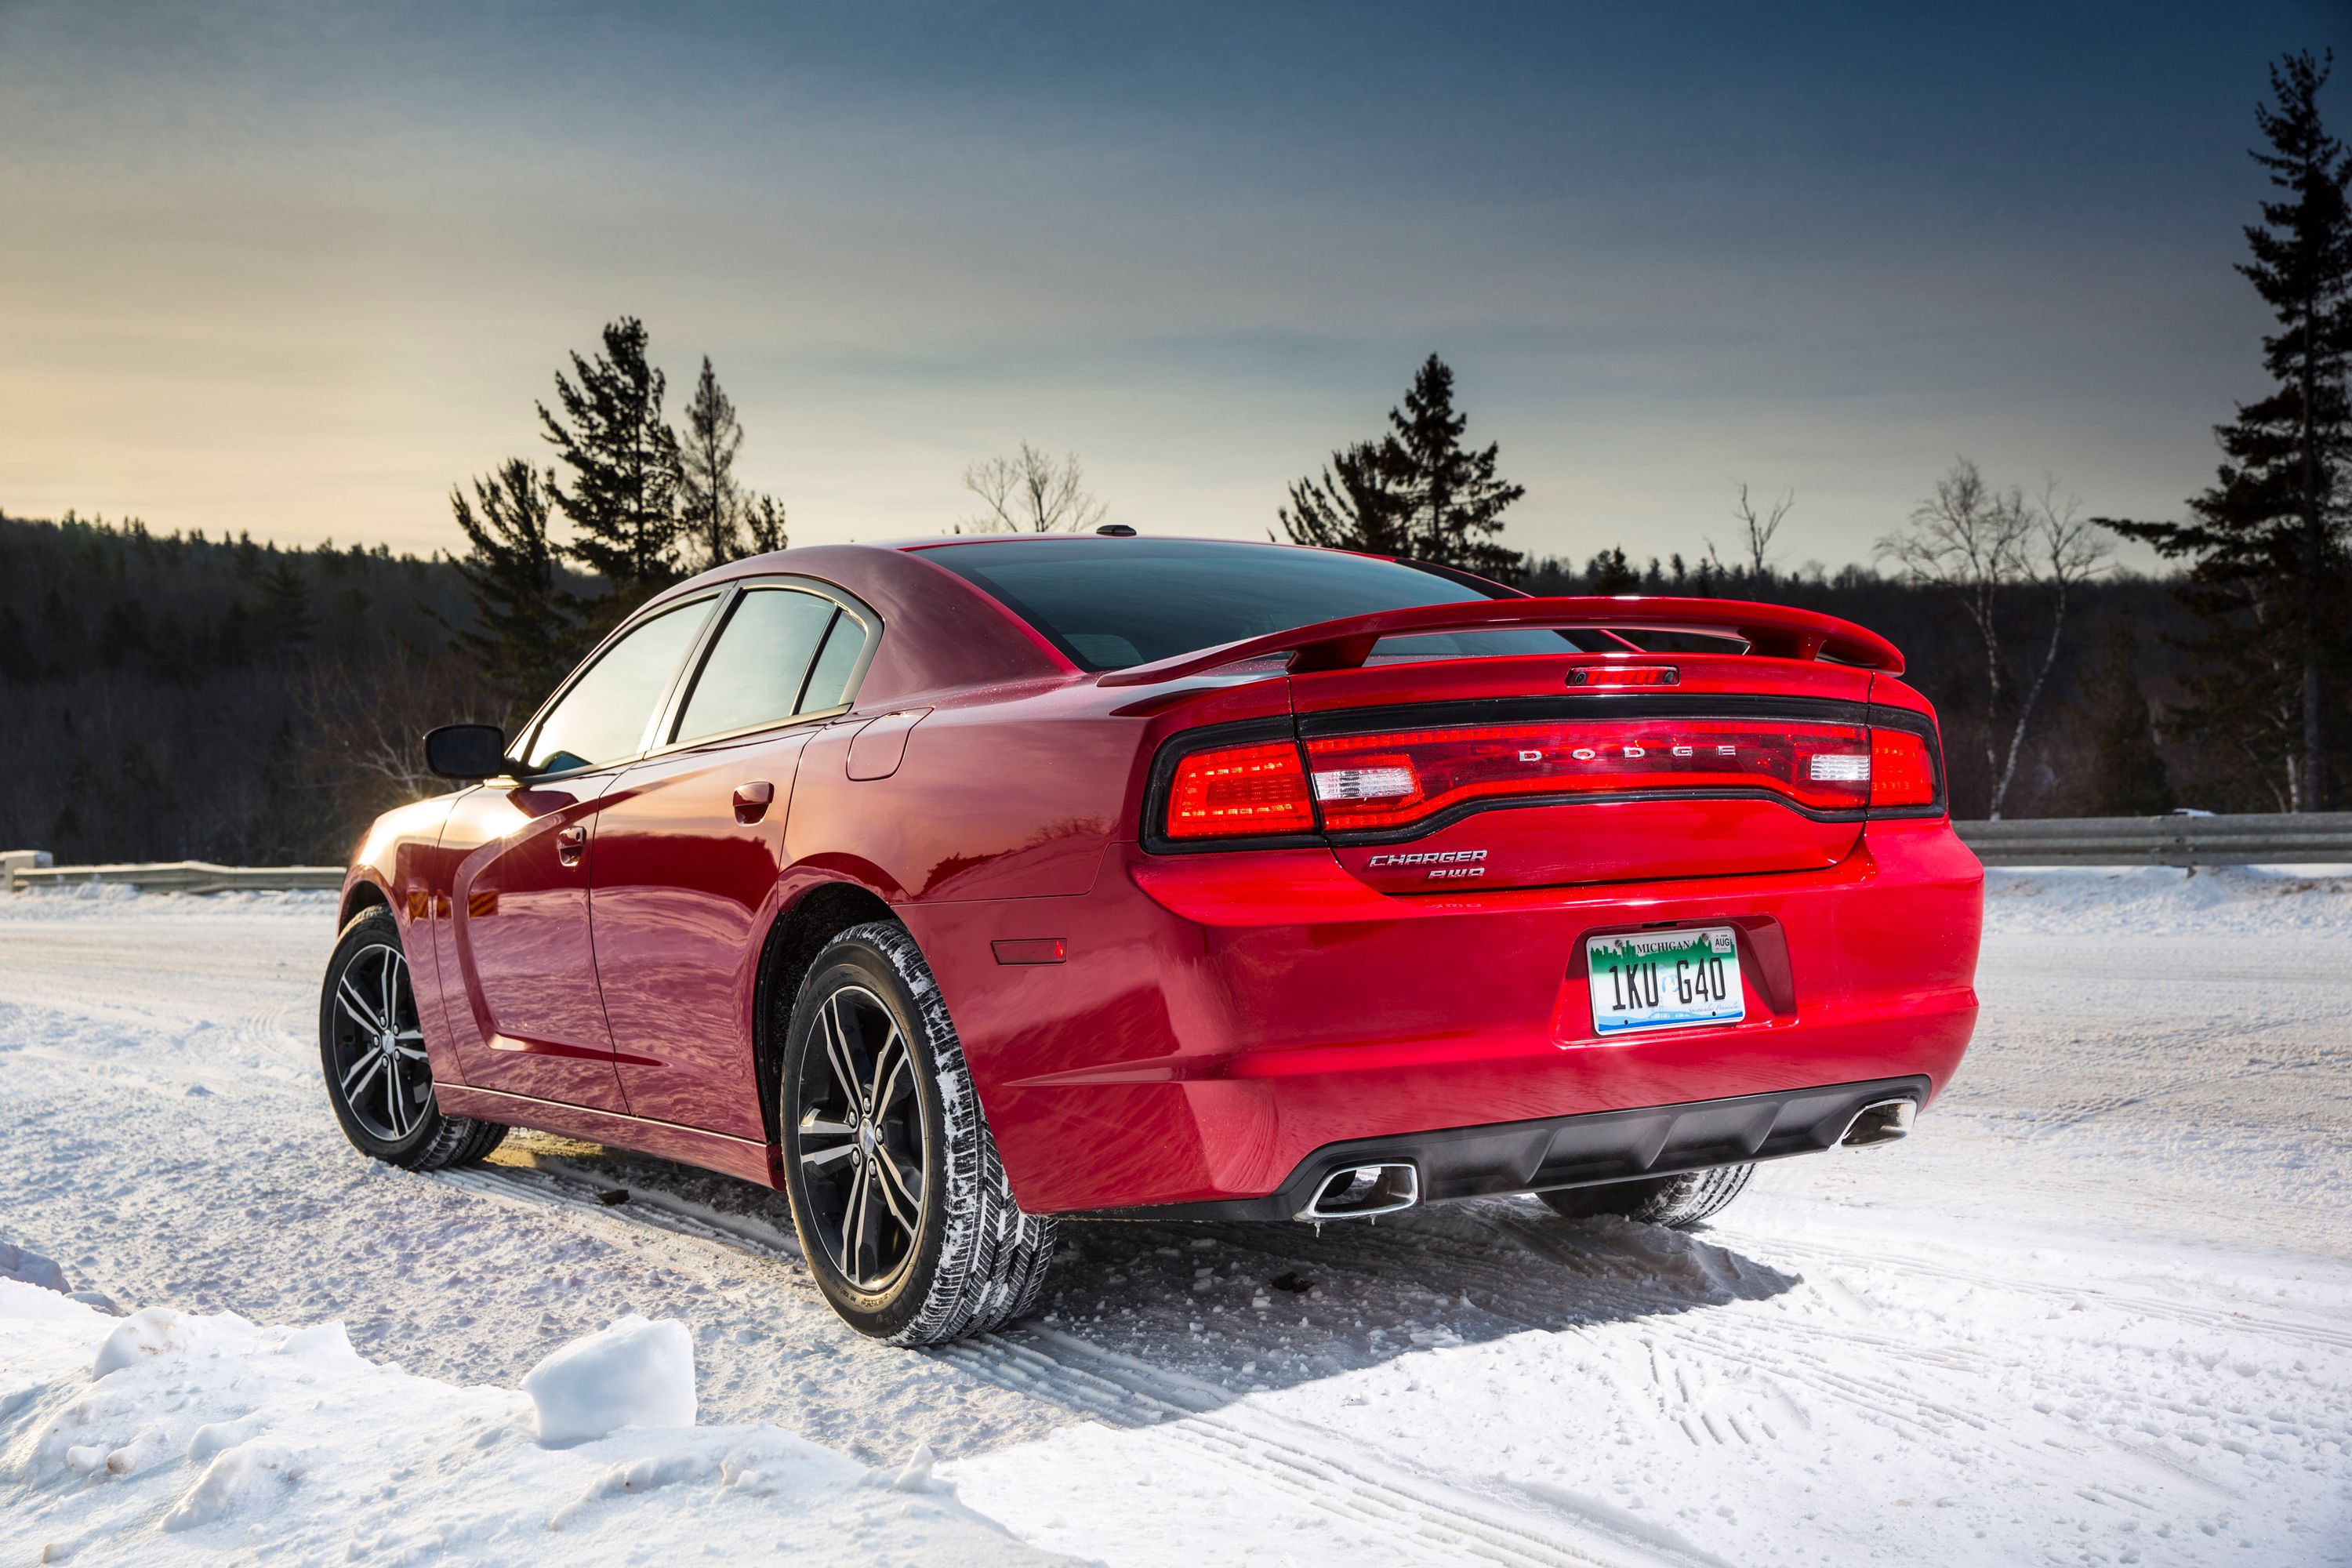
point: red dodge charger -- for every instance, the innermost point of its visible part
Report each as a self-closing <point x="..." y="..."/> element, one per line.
<point x="956" y="886"/>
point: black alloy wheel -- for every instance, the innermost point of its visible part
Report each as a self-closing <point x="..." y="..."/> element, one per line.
<point x="906" y="1218"/>
<point x="862" y="1135"/>
<point x="372" y="1051"/>
<point x="376" y="1049"/>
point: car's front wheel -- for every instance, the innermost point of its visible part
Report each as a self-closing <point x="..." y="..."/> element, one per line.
<point x="903" y="1211"/>
<point x="371" y="1050"/>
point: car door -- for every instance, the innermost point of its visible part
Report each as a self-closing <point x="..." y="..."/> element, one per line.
<point x="511" y="927"/>
<point x="689" y="851"/>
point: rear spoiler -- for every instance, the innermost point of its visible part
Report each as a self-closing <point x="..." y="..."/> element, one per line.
<point x="1771" y="631"/>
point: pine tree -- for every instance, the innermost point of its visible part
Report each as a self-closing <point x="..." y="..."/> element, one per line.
<point x="623" y="460"/>
<point x="2267" y="540"/>
<point x="1610" y="573"/>
<point x="528" y="630"/>
<point x="1415" y="492"/>
<point x="286" y="604"/>
<point x="763" y="519"/>
<point x="710" y="505"/>
<point x="1348" y="508"/>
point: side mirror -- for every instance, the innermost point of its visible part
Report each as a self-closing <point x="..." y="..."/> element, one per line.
<point x="466" y="751"/>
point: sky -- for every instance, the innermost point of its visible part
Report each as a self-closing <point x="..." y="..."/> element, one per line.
<point x="299" y="269"/>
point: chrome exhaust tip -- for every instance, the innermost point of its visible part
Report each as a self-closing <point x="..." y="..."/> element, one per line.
<point x="1881" y="1121"/>
<point x="1357" y="1192"/>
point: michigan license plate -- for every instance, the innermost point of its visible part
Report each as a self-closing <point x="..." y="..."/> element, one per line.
<point x="1665" y="980"/>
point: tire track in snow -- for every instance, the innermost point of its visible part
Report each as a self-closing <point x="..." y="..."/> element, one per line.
<point x="1035" y="1362"/>
<point x="2277" y="1329"/>
<point x="1297" y="1454"/>
<point x="1680" y="1322"/>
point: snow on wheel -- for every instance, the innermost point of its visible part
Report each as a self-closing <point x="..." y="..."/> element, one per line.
<point x="903" y="1210"/>
<point x="372" y="1051"/>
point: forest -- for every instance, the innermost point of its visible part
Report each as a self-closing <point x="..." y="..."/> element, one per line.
<point x="168" y="697"/>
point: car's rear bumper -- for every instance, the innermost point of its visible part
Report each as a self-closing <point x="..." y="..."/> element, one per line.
<point x="1220" y="1019"/>
<point x="1571" y="1151"/>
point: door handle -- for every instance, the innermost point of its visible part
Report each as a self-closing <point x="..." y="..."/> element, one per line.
<point x="752" y="800"/>
<point x="570" y="844"/>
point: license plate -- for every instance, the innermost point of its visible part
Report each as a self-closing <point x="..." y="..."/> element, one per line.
<point x="1665" y="980"/>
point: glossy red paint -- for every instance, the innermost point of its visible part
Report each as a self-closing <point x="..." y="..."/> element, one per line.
<point x="684" y="890"/>
<point x="1207" y="1015"/>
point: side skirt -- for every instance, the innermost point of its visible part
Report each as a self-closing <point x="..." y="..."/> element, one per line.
<point x="743" y="1157"/>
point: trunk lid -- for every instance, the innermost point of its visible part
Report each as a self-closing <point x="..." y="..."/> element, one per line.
<point x="1530" y="771"/>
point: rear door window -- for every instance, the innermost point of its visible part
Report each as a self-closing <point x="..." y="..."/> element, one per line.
<point x="758" y="669"/>
<point x="836" y="665"/>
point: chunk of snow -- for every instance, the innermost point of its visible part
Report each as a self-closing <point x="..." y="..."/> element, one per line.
<point x="325" y="1343"/>
<point x="31" y="1268"/>
<point x="219" y="1437"/>
<point x="915" y="1475"/>
<point x="247" y="1478"/>
<point x="157" y="1330"/>
<point x="633" y="1373"/>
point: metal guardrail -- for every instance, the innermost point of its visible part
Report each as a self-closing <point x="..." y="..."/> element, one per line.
<point x="2265" y="839"/>
<point x="171" y="877"/>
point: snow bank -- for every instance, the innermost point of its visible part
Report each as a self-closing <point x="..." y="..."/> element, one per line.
<point x="169" y="1438"/>
<point x="2164" y="901"/>
<point x="105" y="901"/>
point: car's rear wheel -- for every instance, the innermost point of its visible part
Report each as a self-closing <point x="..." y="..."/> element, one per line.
<point x="371" y="1050"/>
<point x="1678" y="1201"/>
<point x="904" y="1214"/>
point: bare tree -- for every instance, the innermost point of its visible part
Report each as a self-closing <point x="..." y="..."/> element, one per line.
<point x="2063" y="549"/>
<point x="367" y="724"/>
<point x="1760" y="529"/>
<point x="1031" y="492"/>
<point x="1979" y="543"/>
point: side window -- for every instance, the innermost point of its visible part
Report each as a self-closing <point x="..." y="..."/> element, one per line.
<point x="761" y="661"/>
<point x="828" y="685"/>
<point x="603" y="717"/>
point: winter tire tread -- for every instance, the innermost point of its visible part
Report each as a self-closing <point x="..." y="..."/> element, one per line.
<point x="992" y="1259"/>
<point x="1677" y="1202"/>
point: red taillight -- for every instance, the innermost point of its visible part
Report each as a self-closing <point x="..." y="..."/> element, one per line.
<point x="1237" y="791"/>
<point x="1902" y="772"/>
<point x="1391" y="779"/>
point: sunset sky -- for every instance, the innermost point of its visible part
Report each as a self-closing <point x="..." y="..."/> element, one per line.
<point x="298" y="269"/>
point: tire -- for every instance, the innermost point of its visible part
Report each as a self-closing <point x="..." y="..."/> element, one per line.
<point x="903" y="1211"/>
<point x="382" y="1088"/>
<point x="1680" y="1202"/>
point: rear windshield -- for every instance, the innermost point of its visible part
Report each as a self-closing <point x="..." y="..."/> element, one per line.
<point x="1110" y="602"/>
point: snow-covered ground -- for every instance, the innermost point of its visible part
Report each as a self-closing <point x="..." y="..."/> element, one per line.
<point x="169" y="1438"/>
<point x="2098" y="1310"/>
